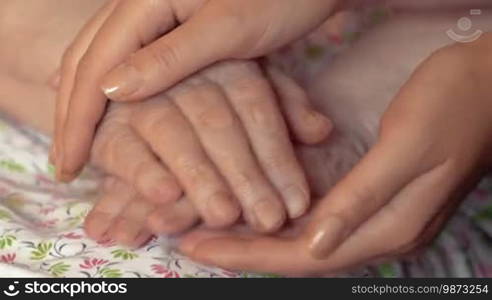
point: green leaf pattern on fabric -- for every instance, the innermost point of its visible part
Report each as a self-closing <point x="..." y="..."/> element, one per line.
<point x="7" y="241"/>
<point x="42" y="250"/>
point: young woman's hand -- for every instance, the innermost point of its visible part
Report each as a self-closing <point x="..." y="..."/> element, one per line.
<point x="434" y="144"/>
<point x="135" y="49"/>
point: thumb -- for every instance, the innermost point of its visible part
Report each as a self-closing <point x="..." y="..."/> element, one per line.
<point x="388" y="167"/>
<point x="306" y="124"/>
<point x="202" y="40"/>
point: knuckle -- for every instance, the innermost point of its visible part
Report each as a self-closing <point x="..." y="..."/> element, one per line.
<point x="243" y="183"/>
<point x="278" y="160"/>
<point x="364" y="194"/>
<point x="149" y="118"/>
<point x="233" y="72"/>
<point x="194" y="171"/>
<point x="261" y="115"/>
<point x="164" y="56"/>
<point x="215" y="118"/>
<point x="141" y="169"/>
<point x="112" y="143"/>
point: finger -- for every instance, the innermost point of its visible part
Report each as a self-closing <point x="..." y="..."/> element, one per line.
<point x="173" y="218"/>
<point x="174" y="57"/>
<point x="382" y="236"/>
<point x="119" y="151"/>
<point x="254" y="102"/>
<point x="243" y="252"/>
<point x="307" y="125"/>
<point x="178" y="147"/>
<point x="382" y="173"/>
<point x="114" y="200"/>
<point x="412" y="218"/>
<point x="143" y="21"/>
<point x="227" y="145"/>
<point x="69" y="64"/>
<point x="129" y="228"/>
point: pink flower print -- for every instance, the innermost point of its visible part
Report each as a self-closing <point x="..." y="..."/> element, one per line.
<point x="3" y="190"/>
<point x="165" y="272"/>
<point x="72" y="236"/>
<point x="106" y="243"/>
<point x="42" y="179"/>
<point x="230" y="274"/>
<point x="91" y="263"/>
<point x="48" y="223"/>
<point x="47" y="210"/>
<point x="8" y="258"/>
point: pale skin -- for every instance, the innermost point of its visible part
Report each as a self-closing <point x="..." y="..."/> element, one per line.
<point x="454" y="163"/>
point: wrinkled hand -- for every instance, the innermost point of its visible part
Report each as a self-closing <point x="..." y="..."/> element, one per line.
<point x="434" y="143"/>
<point x="147" y="46"/>
<point x="233" y="148"/>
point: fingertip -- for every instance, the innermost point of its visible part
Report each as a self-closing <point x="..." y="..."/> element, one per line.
<point x="67" y="171"/>
<point x="316" y="128"/>
<point x="166" y="191"/>
<point x="126" y="232"/>
<point x="221" y="211"/>
<point x="121" y="83"/>
<point x="327" y="237"/>
<point x="96" y="225"/>
<point x="142" y="239"/>
<point x="190" y="241"/>
<point x="268" y="216"/>
<point x="296" y="200"/>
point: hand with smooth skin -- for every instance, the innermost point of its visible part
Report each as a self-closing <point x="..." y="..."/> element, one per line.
<point x="134" y="49"/>
<point x="434" y="145"/>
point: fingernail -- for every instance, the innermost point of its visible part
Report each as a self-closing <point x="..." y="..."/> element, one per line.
<point x="269" y="215"/>
<point x="316" y="119"/>
<point x="296" y="200"/>
<point x="121" y="82"/>
<point x="67" y="177"/>
<point x="61" y="175"/>
<point x="222" y="211"/>
<point x="328" y="236"/>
